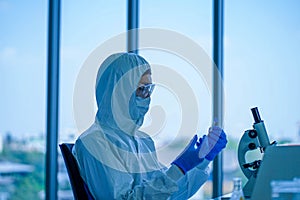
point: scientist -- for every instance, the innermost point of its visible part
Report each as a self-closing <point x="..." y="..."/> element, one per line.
<point x="116" y="160"/>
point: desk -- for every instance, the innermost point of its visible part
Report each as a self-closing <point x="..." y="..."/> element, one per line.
<point x="226" y="197"/>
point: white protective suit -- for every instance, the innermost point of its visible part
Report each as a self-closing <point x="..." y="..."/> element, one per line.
<point x="116" y="160"/>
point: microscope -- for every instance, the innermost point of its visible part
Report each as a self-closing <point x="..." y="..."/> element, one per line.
<point x="253" y="139"/>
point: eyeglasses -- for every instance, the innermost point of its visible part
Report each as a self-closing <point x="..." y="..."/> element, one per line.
<point x="145" y="91"/>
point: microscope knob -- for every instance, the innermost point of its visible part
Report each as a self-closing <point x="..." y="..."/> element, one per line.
<point x="252" y="133"/>
<point x="252" y="146"/>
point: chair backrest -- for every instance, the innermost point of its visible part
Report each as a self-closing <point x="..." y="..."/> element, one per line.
<point x="79" y="188"/>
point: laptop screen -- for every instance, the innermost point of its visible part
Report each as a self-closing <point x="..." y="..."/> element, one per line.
<point x="278" y="163"/>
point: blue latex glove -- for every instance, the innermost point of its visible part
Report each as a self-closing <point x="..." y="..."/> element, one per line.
<point x="189" y="158"/>
<point x="213" y="143"/>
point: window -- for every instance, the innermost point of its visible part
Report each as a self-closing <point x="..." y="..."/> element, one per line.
<point x="181" y="102"/>
<point x="22" y="86"/>
<point x="261" y="70"/>
<point x="85" y="27"/>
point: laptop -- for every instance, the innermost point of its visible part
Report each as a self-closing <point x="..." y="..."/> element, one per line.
<point x="279" y="163"/>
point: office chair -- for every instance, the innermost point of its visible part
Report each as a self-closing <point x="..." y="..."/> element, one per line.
<point x="79" y="188"/>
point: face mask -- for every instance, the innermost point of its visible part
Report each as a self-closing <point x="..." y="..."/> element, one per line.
<point x="142" y="105"/>
<point x="138" y="108"/>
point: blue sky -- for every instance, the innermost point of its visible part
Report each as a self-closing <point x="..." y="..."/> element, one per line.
<point x="262" y="41"/>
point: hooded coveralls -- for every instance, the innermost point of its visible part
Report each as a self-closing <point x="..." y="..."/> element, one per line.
<point x="116" y="160"/>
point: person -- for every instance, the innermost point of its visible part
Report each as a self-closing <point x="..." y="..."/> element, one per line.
<point x="118" y="161"/>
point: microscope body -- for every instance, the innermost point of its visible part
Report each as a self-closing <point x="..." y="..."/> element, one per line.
<point x="251" y="140"/>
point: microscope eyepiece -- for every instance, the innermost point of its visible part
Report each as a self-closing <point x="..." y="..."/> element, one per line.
<point x="256" y="115"/>
<point x="260" y="128"/>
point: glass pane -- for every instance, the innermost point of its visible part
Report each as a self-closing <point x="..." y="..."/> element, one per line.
<point x="262" y="42"/>
<point x="22" y="86"/>
<point x="181" y="102"/>
<point x="85" y="27"/>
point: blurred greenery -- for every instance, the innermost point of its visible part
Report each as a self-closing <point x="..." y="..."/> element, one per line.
<point x="26" y="186"/>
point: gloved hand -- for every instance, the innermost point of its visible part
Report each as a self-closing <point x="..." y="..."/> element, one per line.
<point x="213" y="143"/>
<point x="189" y="158"/>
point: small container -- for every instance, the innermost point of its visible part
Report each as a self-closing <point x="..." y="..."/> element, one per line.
<point x="237" y="193"/>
